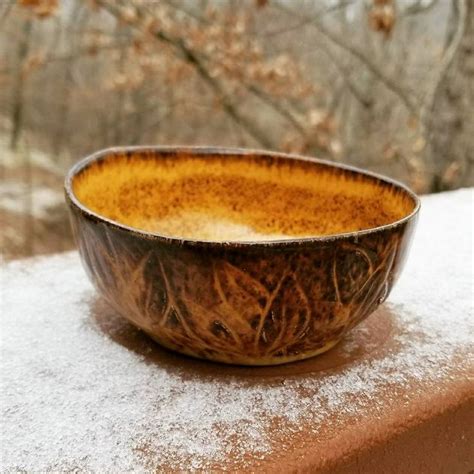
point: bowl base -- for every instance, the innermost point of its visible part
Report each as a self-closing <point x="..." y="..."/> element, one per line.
<point x="248" y="361"/>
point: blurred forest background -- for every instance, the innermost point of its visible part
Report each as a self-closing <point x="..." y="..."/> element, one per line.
<point x="386" y="85"/>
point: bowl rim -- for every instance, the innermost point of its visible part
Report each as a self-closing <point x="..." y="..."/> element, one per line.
<point x="207" y="151"/>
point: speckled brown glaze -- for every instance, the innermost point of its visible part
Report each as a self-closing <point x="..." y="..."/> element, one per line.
<point x="317" y="248"/>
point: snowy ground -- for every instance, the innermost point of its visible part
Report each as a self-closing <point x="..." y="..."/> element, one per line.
<point x="32" y="214"/>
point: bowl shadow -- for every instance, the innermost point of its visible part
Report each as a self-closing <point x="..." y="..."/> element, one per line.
<point x="362" y="342"/>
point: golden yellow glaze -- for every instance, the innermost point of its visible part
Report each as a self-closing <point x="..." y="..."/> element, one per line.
<point x="239" y="198"/>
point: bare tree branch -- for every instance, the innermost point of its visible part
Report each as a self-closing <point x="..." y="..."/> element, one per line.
<point x="447" y="59"/>
<point x="226" y="101"/>
<point x="418" y="7"/>
<point x="405" y="96"/>
<point x="68" y="57"/>
<point x="5" y="12"/>
<point x="284" y="111"/>
<point x="305" y="21"/>
<point x="195" y="61"/>
<point x="279" y="107"/>
<point x="186" y="11"/>
<point x="345" y="74"/>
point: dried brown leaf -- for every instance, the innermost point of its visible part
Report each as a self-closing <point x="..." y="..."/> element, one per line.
<point x="382" y="17"/>
<point x="41" y="8"/>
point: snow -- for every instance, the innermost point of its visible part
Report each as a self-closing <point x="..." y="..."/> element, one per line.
<point x="14" y="194"/>
<point x="14" y="197"/>
<point x="71" y="398"/>
<point x="25" y="153"/>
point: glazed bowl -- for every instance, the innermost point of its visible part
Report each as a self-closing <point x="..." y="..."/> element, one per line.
<point x="238" y="256"/>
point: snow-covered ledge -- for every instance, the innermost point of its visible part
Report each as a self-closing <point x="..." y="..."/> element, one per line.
<point x="80" y="389"/>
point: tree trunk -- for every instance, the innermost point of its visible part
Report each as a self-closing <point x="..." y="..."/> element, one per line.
<point x="19" y="85"/>
<point x="60" y="136"/>
<point x="451" y="134"/>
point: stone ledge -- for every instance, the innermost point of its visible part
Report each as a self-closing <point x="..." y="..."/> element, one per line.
<point x="82" y="389"/>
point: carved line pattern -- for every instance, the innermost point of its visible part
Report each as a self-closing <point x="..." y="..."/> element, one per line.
<point x="184" y="322"/>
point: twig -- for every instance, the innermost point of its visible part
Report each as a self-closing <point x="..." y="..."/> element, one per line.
<point x="192" y="58"/>
<point x="280" y="108"/>
<point x="345" y="74"/>
<point x="418" y="7"/>
<point x="285" y="112"/>
<point x="5" y="13"/>
<point x="391" y="84"/>
<point x="305" y="21"/>
<point x="67" y="57"/>
<point x="447" y="59"/>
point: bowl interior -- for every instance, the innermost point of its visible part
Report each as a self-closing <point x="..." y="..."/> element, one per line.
<point x="238" y="197"/>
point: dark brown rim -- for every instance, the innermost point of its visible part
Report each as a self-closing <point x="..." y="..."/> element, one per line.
<point x="107" y="153"/>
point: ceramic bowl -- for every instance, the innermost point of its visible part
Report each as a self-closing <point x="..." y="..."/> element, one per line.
<point x="239" y="256"/>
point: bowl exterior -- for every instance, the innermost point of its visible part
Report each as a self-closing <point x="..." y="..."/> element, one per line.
<point x="256" y="304"/>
